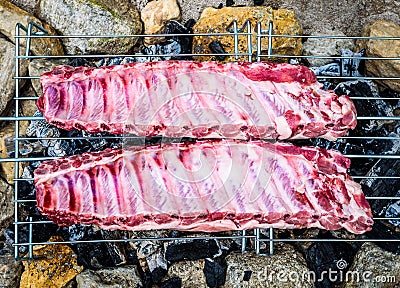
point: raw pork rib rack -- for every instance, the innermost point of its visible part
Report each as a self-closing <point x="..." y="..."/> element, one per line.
<point x="27" y="228"/>
<point x="204" y="186"/>
<point x="191" y="99"/>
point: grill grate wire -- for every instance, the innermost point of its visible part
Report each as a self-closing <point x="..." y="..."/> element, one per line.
<point x="25" y="35"/>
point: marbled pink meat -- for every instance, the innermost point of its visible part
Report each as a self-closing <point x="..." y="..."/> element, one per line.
<point x="212" y="185"/>
<point x="190" y="99"/>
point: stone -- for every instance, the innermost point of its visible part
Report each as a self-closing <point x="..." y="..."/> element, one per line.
<point x="28" y="107"/>
<point x="285" y="268"/>
<point x="174" y="282"/>
<point x="120" y="277"/>
<point x="7" y="135"/>
<point x="93" y="17"/>
<point x="382" y="48"/>
<point x="7" y="65"/>
<point x="10" y="269"/>
<point x="55" y="265"/>
<point x="374" y="267"/>
<point x="155" y="16"/>
<point x="325" y="46"/>
<point x="300" y="246"/>
<point x="6" y="204"/>
<point x="190" y="272"/>
<point x="10" y="15"/>
<point x="218" y="20"/>
<point x="38" y="66"/>
<point x="26" y="5"/>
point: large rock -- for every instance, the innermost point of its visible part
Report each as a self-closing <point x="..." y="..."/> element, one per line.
<point x="7" y="135"/>
<point x="189" y="272"/>
<point x="155" y="15"/>
<point x="322" y="47"/>
<point x="28" y="107"/>
<point x="6" y="204"/>
<point x="10" y="15"/>
<point x="27" y="5"/>
<point x="374" y="267"/>
<point x="55" y="267"/>
<point x="93" y="17"/>
<point x="217" y="21"/>
<point x="121" y="277"/>
<point x="285" y="268"/>
<point x="10" y="269"/>
<point x="7" y="65"/>
<point x="383" y="48"/>
<point x="38" y="66"/>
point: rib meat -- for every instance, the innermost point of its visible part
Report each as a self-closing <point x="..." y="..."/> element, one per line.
<point x="190" y="99"/>
<point x="211" y="185"/>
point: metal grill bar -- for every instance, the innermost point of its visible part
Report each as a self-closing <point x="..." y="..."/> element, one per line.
<point x="34" y="159"/>
<point x="249" y="55"/>
<point x="261" y="33"/>
<point x="328" y="57"/>
<point x="34" y="31"/>
<point x="128" y="55"/>
<point x="127" y="136"/>
<point x="16" y="147"/>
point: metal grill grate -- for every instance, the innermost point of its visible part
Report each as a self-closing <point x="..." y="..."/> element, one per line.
<point x="25" y="35"/>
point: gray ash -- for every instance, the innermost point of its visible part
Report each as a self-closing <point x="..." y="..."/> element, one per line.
<point x="393" y="211"/>
<point x="168" y="49"/>
<point x="174" y="27"/>
<point x="53" y="142"/>
<point x="352" y="66"/>
<point x="115" y="61"/>
<point x="76" y="62"/>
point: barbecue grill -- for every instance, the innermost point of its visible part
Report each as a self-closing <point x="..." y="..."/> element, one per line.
<point x="24" y="36"/>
